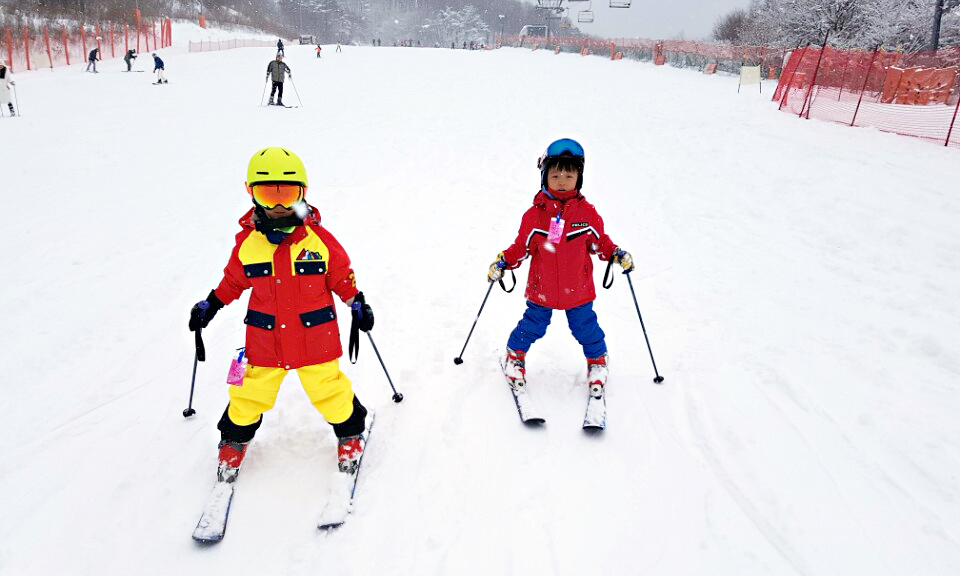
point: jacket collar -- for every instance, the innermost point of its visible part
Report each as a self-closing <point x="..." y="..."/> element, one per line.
<point x="312" y="219"/>
<point x="544" y="201"/>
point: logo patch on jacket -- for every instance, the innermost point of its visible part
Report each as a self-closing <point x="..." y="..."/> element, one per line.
<point x="307" y="255"/>
<point x="580" y="224"/>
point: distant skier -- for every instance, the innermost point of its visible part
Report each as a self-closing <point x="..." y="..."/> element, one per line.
<point x="6" y="81"/>
<point x="319" y="49"/>
<point x="92" y="59"/>
<point x="280" y="47"/>
<point x="559" y="234"/>
<point x="294" y="267"/>
<point x="338" y="48"/>
<point x="130" y="56"/>
<point x="158" y="68"/>
<point x="276" y="70"/>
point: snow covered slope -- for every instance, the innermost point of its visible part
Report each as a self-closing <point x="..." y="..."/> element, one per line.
<point x="798" y="282"/>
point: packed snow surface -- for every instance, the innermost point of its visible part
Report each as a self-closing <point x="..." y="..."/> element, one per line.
<point x="798" y="281"/>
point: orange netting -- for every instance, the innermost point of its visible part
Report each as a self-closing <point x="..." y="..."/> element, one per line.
<point x="911" y="94"/>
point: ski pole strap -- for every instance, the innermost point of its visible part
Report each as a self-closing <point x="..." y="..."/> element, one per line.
<point x="198" y="342"/>
<point x="608" y="276"/>
<point x="353" y="347"/>
<point x="504" y="286"/>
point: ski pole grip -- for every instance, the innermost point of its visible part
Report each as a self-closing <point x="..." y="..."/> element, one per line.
<point x="198" y="342"/>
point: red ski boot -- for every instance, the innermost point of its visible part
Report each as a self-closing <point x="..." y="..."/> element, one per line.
<point x="597" y="375"/>
<point x="349" y="451"/>
<point x="230" y="459"/>
<point x="514" y="366"/>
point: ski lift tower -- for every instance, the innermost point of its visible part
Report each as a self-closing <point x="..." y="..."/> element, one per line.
<point x="552" y="10"/>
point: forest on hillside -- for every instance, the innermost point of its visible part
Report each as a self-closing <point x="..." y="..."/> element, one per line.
<point x="905" y="25"/>
<point x="424" y="22"/>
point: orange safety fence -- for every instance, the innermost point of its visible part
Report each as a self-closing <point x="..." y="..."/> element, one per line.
<point x="911" y="94"/>
<point x="674" y="52"/>
<point x="49" y="45"/>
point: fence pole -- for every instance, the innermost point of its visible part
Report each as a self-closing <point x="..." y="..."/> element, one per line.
<point x="950" y="131"/>
<point x="46" y="40"/>
<point x="6" y="35"/>
<point x="83" y="40"/>
<point x="154" y="26"/>
<point x="792" y="74"/>
<point x="26" y="45"/>
<point x="98" y="37"/>
<point x="813" y="82"/>
<point x="66" y="44"/>
<point x="126" y="39"/>
<point x="113" y="47"/>
<point x="864" y="87"/>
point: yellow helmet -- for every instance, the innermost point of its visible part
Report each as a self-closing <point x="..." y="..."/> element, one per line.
<point x="276" y="165"/>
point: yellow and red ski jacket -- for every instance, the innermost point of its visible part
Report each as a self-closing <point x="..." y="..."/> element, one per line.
<point x="291" y="321"/>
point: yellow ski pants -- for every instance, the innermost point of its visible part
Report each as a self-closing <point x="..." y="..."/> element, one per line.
<point x="327" y="387"/>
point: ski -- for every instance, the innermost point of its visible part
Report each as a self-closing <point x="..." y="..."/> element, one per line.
<point x="213" y="521"/>
<point x="529" y="413"/>
<point x="343" y="489"/>
<point x="596" y="416"/>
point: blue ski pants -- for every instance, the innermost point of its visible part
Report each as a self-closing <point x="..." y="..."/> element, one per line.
<point x="582" y="321"/>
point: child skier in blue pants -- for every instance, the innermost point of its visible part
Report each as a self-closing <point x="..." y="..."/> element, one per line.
<point x="560" y="233"/>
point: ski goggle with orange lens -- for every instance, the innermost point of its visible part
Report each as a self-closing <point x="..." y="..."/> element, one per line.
<point x="270" y="195"/>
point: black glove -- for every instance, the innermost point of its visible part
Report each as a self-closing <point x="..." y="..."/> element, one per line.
<point x="203" y="312"/>
<point x="362" y="313"/>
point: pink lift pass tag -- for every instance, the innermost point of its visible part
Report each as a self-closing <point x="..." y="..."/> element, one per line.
<point x="556" y="230"/>
<point x="238" y="367"/>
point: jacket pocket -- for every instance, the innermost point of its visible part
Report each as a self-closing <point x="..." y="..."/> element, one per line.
<point x="259" y="320"/>
<point x="317" y="317"/>
<point x="258" y="269"/>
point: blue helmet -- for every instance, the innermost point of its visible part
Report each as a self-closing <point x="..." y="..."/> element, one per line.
<point x="566" y="149"/>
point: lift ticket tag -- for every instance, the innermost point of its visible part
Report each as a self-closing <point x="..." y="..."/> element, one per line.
<point x="556" y="230"/>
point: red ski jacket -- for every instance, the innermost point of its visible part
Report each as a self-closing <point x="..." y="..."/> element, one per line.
<point x="291" y="321"/>
<point x="561" y="274"/>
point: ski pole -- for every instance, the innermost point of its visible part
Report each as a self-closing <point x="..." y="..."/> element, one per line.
<point x="295" y="91"/>
<point x="264" y="91"/>
<point x="189" y="411"/>
<point x="397" y="397"/>
<point x="659" y="378"/>
<point x="459" y="359"/>
<point x="16" y="100"/>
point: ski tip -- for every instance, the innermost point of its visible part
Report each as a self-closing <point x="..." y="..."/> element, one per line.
<point x="204" y="541"/>
<point x="534" y="422"/>
<point x="329" y="527"/>
<point x="593" y="429"/>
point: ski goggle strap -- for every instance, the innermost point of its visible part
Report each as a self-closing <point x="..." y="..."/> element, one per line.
<point x="270" y="195"/>
<point x="562" y="147"/>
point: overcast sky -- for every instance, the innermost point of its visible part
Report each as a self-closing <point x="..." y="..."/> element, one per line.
<point x="653" y="18"/>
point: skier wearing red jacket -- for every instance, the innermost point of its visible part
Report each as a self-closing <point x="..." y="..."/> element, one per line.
<point x="293" y="267"/>
<point x="560" y="233"/>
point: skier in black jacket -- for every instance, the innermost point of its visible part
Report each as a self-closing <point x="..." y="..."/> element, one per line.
<point x="92" y="60"/>
<point x="130" y="57"/>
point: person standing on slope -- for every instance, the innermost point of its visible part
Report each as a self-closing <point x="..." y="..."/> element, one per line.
<point x="6" y="81"/>
<point x="129" y="57"/>
<point x="158" y="68"/>
<point x="276" y="70"/>
<point x="92" y="60"/>
<point x="280" y="51"/>
<point x="559" y="233"/>
<point x="294" y="267"/>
